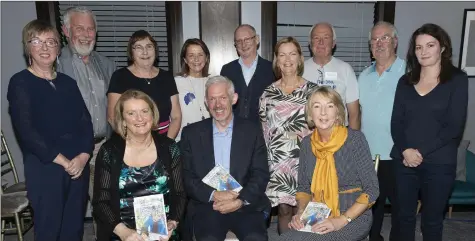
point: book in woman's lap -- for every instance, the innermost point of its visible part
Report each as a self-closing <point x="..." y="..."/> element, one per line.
<point x="314" y="213"/>
<point x="150" y="217"/>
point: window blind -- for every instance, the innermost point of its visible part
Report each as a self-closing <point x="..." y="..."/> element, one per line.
<point x="117" y="21"/>
<point x="352" y="22"/>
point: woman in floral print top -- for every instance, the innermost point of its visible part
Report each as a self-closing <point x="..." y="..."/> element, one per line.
<point x="135" y="163"/>
<point x="282" y="114"/>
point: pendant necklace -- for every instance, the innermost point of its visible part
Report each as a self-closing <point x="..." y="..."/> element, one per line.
<point x="148" y="80"/>
<point x="50" y="81"/>
<point x="194" y="93"/>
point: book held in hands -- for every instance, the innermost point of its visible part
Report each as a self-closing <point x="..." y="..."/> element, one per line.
<point x="314" y="213"/>
<point x="220" y="179"/>
<point x="150" y="217"/>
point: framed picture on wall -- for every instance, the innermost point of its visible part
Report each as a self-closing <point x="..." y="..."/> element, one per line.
<point x="467" y="48"/>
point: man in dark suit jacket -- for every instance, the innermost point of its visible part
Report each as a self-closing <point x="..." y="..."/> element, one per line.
<point x="251" y="74"/>
<point x="237" y="145"/>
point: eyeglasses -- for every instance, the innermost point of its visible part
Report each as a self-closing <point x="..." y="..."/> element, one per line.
<point x="140" y="48"/>
<point x="241" y="41"/>
<point x="50" y="43"/>
<point x="383" y="39"/>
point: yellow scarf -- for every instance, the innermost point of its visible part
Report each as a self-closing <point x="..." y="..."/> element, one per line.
<point x="325" y="180"/>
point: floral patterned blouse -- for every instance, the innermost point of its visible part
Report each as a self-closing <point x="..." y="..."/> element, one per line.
<point x="283" y="121"/>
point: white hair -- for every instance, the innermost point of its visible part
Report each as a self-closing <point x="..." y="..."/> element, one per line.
<point x="77" y="9"/>
<point x="322" y="23"/>
<point x="219" y="79"/>
<point x="385" y="24"/>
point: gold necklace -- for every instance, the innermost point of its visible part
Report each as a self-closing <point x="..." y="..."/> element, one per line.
<point x="53" y="75"/>
<point x="144" y="148"/>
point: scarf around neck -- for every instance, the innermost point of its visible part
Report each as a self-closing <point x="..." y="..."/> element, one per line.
<point x="324" y="185"/>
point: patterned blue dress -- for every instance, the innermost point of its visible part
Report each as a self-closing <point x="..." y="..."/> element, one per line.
<point x="142" y="181"/>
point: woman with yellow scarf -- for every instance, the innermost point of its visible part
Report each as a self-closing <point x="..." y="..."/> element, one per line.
<point x="336" y="169"/>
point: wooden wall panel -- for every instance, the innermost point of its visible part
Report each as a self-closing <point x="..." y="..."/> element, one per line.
<point x="218" y="20"/>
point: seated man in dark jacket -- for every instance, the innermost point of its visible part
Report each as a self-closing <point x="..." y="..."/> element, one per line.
<point x="206" y="144"/>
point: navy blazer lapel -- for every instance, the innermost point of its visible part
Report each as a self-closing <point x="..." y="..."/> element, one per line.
<point x="208" y="145"/>
<point x="241" y="80"/>
<point x="254" y="76"/>
<point x="235" y="164"/>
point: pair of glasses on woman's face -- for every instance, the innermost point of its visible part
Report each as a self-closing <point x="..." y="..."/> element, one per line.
<point x="50" y="43"/>
<point x="140" y="49"/>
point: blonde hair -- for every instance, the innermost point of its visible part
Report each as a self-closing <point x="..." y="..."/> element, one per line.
<point x="276" y="68"/>
<point x="335" y="98"/>
<point x="119" y="109"/>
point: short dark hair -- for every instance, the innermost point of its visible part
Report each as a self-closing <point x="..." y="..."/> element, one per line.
<point x="185" y="69"/>
<point x="137" y="36"/>
<point x="413" y="67"/>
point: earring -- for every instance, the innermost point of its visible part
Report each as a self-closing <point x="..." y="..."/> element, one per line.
<point x="125" y="132"/>
<point x="29" y="60"/>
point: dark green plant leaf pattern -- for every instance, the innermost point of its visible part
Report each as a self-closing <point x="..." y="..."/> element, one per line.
<point x="283" y="121"/>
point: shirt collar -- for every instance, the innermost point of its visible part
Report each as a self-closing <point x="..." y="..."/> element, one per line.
<point x="396" y="64"/>
<point x="254" y="62"/>
<point x="229" y="128"/>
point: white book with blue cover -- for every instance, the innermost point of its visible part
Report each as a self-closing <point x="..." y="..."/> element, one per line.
<point x="150" y="217"/>
<point x="314" y="213"/>
<point x="220" y="179"/>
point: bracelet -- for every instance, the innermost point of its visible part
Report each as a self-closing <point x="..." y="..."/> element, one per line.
<point x="347" y="218"/>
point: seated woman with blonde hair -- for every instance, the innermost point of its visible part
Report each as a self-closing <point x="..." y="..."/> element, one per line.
<point x="336" y="169"/>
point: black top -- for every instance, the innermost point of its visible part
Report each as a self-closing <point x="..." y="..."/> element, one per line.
<point x="432" y="124"/>
<point x="107" y="194"/>
<point x="247" y="106"/>
<point x="160" y="89"/>
<point x="49" y="117"/>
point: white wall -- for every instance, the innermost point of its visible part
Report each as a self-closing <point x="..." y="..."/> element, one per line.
<point x="251" y="14"/>
<point x="449" y="15"/>
<point x="190" y="16"/>
<point x="15" y="15"/>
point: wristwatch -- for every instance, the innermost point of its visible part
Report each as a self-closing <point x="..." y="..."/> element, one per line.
<point x="347" y="218"/>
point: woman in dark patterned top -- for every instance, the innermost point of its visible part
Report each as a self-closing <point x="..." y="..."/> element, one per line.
<point x="336" y="169"/>
<point x="138" y="162"/>
<point x="428" y="120"/>
<point x="54" y="130"/>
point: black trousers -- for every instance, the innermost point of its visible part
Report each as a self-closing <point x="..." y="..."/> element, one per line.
<point x="435" y="182"/>
<point x="387" y="190"/>
<point x="58" y="202"/>
<point x="210" y="225"/>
